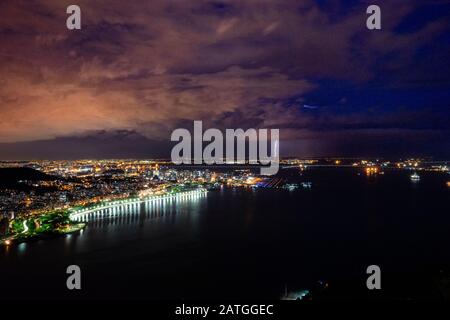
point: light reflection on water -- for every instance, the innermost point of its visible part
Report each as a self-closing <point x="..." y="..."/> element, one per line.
<point x="107" y="221"/>
<point x="223" y="244"/>
<point x="21" y="248"/>
<point x="147" y="208"/>
<point x="143" y="218"/>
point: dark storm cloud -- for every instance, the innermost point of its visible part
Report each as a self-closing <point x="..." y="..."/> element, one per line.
<point x="148" y="67"/>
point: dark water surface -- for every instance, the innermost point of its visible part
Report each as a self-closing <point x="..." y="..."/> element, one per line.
<point x="244" y="243"/>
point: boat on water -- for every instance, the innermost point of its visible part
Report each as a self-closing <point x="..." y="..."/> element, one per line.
<point x="295" y="295"/>
<point x="415" y="177"/>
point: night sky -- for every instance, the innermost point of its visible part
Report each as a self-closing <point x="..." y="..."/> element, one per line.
<point x="139" y="69"/>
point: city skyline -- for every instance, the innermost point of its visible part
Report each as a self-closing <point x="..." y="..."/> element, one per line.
<point x="135" y="72"/>
<point x="217" y="157"/>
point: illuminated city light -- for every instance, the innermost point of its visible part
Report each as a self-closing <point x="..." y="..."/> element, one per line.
<point x="83" y="214"/>
<point x="25" y="227"/>
<point x="131" y="182"/>
<point x="371" y="170"/>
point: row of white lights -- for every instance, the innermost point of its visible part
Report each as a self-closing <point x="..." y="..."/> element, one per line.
<point x="75" y="214"/>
